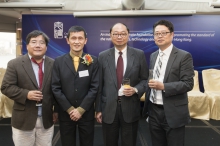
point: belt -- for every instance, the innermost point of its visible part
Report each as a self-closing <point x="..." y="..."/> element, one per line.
<point x="158" y="105"/>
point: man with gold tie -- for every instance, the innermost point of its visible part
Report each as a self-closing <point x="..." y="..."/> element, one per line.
<point x="75" y="84"/>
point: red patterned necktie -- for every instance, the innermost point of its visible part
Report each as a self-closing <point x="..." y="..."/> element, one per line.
<point x="119" y="70"/>
<point x="40" y="72"/>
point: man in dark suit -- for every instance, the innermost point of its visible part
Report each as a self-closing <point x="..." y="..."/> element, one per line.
<point x="166" y="95"/>
<point x="75" y="86"/>
<point x="119" y="107"/>
<point x="23" y="84"/>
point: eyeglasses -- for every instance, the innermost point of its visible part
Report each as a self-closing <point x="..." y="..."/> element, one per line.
<point x="161" y="34"/>
<point x="116" y="35"/>
<point x="41" y="43"/>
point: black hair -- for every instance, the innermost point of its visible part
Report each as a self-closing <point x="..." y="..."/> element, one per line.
<point x="166" y="23"/>
<point x="35" y="34"/>
<point x="76" y="29"/>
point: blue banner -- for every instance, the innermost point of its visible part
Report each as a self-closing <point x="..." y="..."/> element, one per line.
<point x="197" y="34"/>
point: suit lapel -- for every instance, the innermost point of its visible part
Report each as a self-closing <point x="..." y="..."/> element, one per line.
<point x="111" y="65"/>
<point x="153" y="59"/>
<point x="47" y="68"/>
<point x="29" y="69"/>
<point x="81" y="65"/>
<point x="172" y="57"/>
<point x="130" y="60"/>
<point x="69" y="62"/>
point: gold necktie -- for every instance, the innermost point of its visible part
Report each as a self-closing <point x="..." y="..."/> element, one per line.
<point x="76" y="62"/>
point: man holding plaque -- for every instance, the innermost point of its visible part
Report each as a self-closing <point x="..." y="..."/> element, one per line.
<point x="27" y="81"/>
<point x="118" y="106"/>
<point x="166" y="93"/>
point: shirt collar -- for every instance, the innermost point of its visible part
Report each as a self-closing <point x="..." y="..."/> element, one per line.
<point x="31" y="56"/>
<point x="167" y="51"/>
<point x="123" y="50"/>
<point x="72" y="55"/>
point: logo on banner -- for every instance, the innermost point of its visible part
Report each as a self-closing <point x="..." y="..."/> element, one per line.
<point x="58" y="30"/>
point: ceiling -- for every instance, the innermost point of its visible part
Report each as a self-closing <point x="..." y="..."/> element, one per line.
<point x="9" y="16"/>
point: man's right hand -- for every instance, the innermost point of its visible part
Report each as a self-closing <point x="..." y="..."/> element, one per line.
<point x="75" y="115"/>
<point x="35" y="95"/>
<point x="99" y="117"/>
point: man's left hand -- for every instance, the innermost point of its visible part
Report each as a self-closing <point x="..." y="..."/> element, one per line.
<point x="75" y="115"/>
<point x="154" y="84"/>
<point x="129" y="91"/>
<point x="55" y="117"/>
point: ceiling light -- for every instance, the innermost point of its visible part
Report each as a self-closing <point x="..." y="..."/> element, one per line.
<point x="31" y="5"/>
<point x="215" y="4"/>
<point x="134" y="13"/>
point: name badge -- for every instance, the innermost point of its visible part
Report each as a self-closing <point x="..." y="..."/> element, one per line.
<point x="84" y="73"/>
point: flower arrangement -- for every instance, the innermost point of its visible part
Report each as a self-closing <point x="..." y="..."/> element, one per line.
<point x="87" y="59"/>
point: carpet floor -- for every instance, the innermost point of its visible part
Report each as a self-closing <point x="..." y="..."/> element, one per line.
<point x="198" y="133"/>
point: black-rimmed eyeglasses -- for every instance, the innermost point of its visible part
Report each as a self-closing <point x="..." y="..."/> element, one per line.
<point x="161" y="34"/>
<point x="116" y="35"/>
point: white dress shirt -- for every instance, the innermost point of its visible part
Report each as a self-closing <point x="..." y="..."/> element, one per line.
<point x="124" y="56"/>
<point x="36" y="69"/>
<point x="166" y="52"/>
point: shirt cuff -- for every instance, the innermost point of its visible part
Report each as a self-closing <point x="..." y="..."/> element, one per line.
<point x="70" y="109"/>
<point x="136" y="90"/>
<point x="81" y="110"/>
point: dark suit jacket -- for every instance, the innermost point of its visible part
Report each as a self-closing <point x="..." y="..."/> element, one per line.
<point x="178" y="80"/>
<point x="136" y="71"/>
<point x="71" y="90"/>
<point x="19" y="79"/>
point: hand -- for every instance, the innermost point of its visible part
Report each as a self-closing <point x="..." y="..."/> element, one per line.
<point x="55" y="117"/>
<point x="129" y="91"/>
<point x="35" y="95"/>
<point x="154" y="84"/>
<point x="99" y="117"/>
<point x="75" y="115"/>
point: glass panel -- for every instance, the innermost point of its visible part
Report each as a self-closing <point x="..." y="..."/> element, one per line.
<point x="7" y="48"/>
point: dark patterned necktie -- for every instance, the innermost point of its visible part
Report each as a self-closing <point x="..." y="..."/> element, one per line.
<point x="40" y="72"/>
<point x="119" y="70"/>
<point x="157" y="74"/>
